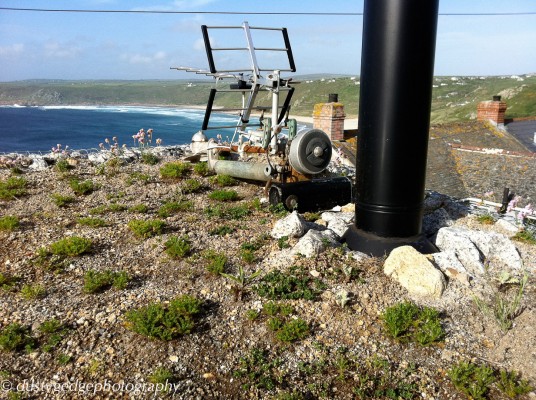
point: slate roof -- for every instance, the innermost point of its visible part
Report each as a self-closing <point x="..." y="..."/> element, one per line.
<point x="461" y="163"/>
<point x="524" y="131"/>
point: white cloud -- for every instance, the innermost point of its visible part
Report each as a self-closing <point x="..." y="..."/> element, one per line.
<point x="144" y="59"/>
<point x="12" y="50"/>
<point x="59" y="50"/>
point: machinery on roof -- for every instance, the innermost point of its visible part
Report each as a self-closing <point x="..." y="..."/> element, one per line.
<point x="268" y="148"/>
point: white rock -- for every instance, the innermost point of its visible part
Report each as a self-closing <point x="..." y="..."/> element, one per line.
<point x="449" y="264"/>
<point x="315" y="242"/>
<point x="347" y="217"/>
<point x="414" y="272"/>
<point x="505" y="227"/>
<point x="38" y="164"/>
<point x="98" y="157"/>
<point x="497" y="248"/>
<point x="457" y="240"/>
<point x="447" y="260"/>
<point x="339" y="226"/>
<point x="357" y="255"/>
<point x="293" y="225"/>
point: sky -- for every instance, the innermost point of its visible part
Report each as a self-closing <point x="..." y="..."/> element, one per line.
<point x="50" y="45"/>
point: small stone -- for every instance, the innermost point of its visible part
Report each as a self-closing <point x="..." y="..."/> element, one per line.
<point x="293" y="225"/>
<point x="314" y="273"/>
<point x="174" y="359"/>
<point x="208" y="375"/>
<point x="414" y="272"/>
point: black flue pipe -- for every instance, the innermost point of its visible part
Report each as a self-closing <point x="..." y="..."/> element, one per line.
<point x="397" y="68"/>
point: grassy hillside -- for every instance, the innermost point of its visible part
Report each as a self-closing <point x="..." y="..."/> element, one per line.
<point x="454" y="98"/>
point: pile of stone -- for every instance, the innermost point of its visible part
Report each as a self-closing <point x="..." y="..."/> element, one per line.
<point x="464" y="254"/>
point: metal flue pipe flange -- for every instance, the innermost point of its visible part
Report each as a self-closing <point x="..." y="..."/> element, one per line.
<point x="310" y="152"/>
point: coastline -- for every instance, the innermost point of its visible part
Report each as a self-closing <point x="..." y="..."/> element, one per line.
<point x="349" y="123"/>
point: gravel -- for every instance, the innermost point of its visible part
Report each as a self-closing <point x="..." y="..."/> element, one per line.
<point x="102" y="350"/>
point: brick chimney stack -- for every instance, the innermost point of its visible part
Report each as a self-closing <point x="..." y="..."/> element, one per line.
<point x="492" y="110"/>
<point x="329" y="117"/>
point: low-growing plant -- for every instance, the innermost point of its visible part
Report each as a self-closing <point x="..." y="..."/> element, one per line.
<point x="377" y="379"/>
<point x="72" y="246"/>
<point x="192" y="186"/>
<point x="296" y="283"/>
<point x="99" y="210"/>
<point x="139" y="208"/>
<point x="504" y="307"/>
<point x="173" y="207"/>
<point x="92" y="222"/>
<point x="33" y="292"/>
<point x="108" y="208"/>
<point x="215" y="262"/>
<point x="224" y="195"/>
<point x="311" y="216"/>
<point x="221" y="230"/>
<point x="230" y="213"/>
<point x="7" y="282"/>
<point x="293" y="330"/>
<point x="248" y="256"/>
<point x="176" y="247"/>
<point x="406" y="321"/>
<point x="274" y="324"/>
<point x="282" y="243"/>
<point x="54" y="332"/>
<point x="486" y="219"/>
<point x="472" y="379"/>
<point x="240" y="281"/>
<point x="525" y="236"/>
<point x="255" y="369"/>
<point x="138" y="177"/>
<point x="9" y="223"/>
<point x="278" y="210"/>
<point x="270" y="308"/>
<point x="161" y="376"/>
<point x="64" y="359"/>
<point x="165" y="322"/>
<point x="116" y="207"/>
<point x="62" y="165"/>
<point x="15" y="337"/>
<point x="82" y="188"/>
<point x="342" y="298"/>
<point x="51" y="262"/>
<point x="175" y="170"/>
<point x="202" y="169"/>
<point x="149" y="158"/>
<point x="62" y="200"/>
<point x="252" y="315"/>
<point x="13" y="187"/>
<point x="146" y="229"/>
<point x="512" y="385"/>
<point x="224" y="180"/>
<point x="98" y="281"/>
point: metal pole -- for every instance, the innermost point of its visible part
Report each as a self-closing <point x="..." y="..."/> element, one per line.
<point x="394" y="115"/>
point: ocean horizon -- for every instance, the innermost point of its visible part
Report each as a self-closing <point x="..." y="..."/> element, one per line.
<point x="26" y="129"/>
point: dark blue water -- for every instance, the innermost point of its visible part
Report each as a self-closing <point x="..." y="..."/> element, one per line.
<point x="25" y="129"/>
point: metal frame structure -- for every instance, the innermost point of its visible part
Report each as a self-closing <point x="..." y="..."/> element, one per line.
<point x="250" y="82"/>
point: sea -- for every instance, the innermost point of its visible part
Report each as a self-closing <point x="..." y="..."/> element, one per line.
<point x="38" y="129"/>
